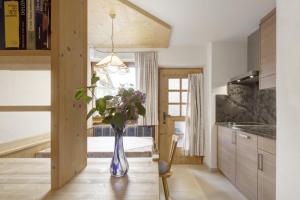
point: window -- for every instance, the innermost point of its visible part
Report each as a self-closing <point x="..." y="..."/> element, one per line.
<point x="110" y="82"/>
<point x="177" y="96"/>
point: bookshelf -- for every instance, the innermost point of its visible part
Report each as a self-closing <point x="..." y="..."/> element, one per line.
<point x="25" y="52"/>
<point x="68" y="57"/>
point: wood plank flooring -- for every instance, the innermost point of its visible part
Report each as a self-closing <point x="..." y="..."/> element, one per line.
<point x="196" y="182"/>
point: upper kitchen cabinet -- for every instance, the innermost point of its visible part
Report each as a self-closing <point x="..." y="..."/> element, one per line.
<point x="267" y="77"/>
<point x="253" y="51"/>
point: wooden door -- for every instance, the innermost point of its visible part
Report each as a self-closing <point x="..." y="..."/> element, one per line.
<point x="246" y="168"/>
<point x="173" y="86"/>
<point x="227" y="152"/>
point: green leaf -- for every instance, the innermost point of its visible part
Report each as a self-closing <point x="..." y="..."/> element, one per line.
<point x="118" y="120"/>
<point x="94" y="79"/>
<point x="101" y="105"/>
<point x="80" y="92"/>
<point x="107" y="120"/>
<point x="91" y="112"/>
<point x="141" y="109"/>
<point x="87" y="99"/>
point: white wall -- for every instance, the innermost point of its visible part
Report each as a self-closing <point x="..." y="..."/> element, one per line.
<point x="224" y="61"/>
<point x="182" y="56"/>
<point x="288" y="100"/>
<point x="229" y="59"/>
<point x="19" y="87"/>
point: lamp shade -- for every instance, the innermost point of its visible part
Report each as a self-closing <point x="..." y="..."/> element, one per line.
<point x="112" y="63"/>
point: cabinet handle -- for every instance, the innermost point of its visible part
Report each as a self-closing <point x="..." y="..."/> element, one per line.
<point x="233" y="140"/>
<point x="244" y="136"/>
<point x="260" y="162"/>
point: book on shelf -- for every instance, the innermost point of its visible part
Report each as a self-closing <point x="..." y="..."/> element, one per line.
<point x="11" y="20"/>
<point x="2" y="38"/>
<point x="30" y="24"/>
<point x="46" y="25"/>
<point x="38" y="23"/>
<point x="25" y="24"/>
<point x="22" y="28"/>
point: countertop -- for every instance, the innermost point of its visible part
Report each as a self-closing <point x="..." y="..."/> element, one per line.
<point x="263" y="130"/>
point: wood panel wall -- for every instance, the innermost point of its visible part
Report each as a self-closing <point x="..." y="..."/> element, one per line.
<point x="68" y="72"/>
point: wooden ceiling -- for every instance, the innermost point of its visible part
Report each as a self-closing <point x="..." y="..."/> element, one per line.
<point x="133" y="26"/>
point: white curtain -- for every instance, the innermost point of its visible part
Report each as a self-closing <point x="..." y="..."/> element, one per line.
<point x="147" y="82"/>
<point x="194" y="133"/>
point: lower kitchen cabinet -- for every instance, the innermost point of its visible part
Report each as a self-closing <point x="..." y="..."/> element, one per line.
<point x="266" y="176"/>
<point x="249" y="162"/>
<point x="246" y="164"/>
<point x="226" y="152"/>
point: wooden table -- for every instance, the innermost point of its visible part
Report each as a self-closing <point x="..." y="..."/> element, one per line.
<point x="27" y="179"/>
<point x="103" y="147"/>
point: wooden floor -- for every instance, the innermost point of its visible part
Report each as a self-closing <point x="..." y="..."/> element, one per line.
<point x="196" y="182"/>
<point x="29" y="179"/>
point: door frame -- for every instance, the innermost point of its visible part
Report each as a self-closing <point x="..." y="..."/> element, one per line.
<point x="176" y="72"/>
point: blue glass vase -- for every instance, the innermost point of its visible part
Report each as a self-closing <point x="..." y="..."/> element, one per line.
<point x="119" y="165"/>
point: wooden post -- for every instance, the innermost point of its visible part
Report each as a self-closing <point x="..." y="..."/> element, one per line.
<point x="68" y="72"/>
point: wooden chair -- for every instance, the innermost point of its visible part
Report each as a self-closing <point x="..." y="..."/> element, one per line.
<point x="165" y="166"/>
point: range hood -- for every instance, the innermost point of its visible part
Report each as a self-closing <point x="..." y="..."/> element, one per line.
<point x="247" y="78"/>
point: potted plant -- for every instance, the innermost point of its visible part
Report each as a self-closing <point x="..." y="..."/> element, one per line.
<point x="117" y="111"/>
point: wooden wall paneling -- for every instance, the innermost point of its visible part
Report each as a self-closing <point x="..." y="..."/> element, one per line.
<point x="69" y="72"/>
<point x="134" y="27"/>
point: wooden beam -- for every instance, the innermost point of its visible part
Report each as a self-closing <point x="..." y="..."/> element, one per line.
<point x="25" y="108"/>
<point x="69" y="72"/>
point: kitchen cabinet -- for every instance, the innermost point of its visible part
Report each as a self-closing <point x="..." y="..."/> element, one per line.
<point x="253" y="52"/>
<point x="249" y="162"/>
<point x="246" y="164"/>
<point x="266" y="169"/>
<point x="227" y="152"/>
<point x="267" y="77"/>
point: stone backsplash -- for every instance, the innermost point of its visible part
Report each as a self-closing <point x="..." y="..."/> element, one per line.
<point x="246" y="103"/>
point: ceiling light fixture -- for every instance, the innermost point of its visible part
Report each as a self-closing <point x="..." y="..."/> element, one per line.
<point x="112" y="63"/>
